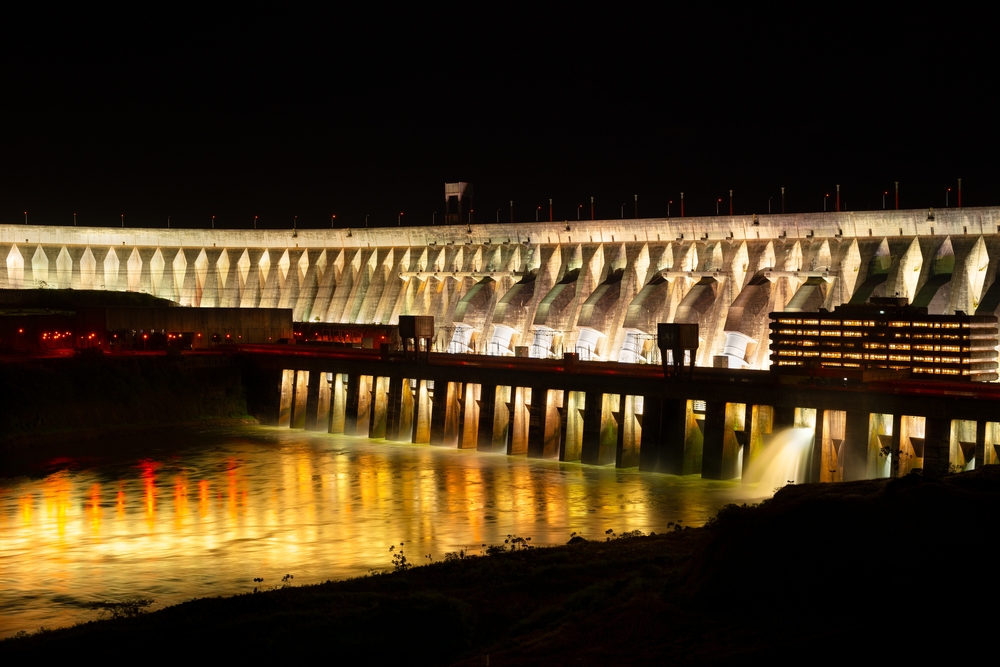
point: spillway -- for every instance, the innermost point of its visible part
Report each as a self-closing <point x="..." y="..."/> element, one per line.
<point x="597" y="288"/>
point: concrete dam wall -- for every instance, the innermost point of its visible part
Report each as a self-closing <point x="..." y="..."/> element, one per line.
<point x="596" y="288"/>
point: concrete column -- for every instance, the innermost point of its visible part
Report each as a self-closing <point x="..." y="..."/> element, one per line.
<point x="937" y="445"/>
<point x="325" y="403"/>
<point x="537" y="413"/>
<point x="673" y="435"/>
<point x="393" y="407"/>
<point x="855" y="446"/>
<point x="487" y="417"/>
<point x="339" y="410"/>
<point x="560" y="413"/>
<point x="517" y="441"/>
<point x="572" y="421"/>
<point x="897" y="431"/>
<point x="379" y="406"/>
<point x="713" y="454"/>
<point x="629" y="433"/>
<point x="816" y="461"/>
<point x="468" y="423"/>
<point x="600" y="432"/>
<point x="453" y="414"/>
<point x="299" y="397"/>
<point x="422" y="414"/>
<point x="980" y="444"/>
<point x="287" y="392"/>
<point x="356" y="406"/>
<point x="439" y="411"/>
<point x="649" y="451"/>
<point x="745" y="436"/>
<point x="312" y="402"/>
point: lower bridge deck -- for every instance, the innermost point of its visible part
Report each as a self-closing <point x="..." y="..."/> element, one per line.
<point x="712" y="422"/>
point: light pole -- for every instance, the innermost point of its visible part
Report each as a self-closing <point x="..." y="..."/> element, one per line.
<point x="717" y="202"/>
<point x="74" y="219"/>
<point x="25" y="217"/>
<point x="883" y="199"/>
<point x="433" y="216"/>
<point x="591" y="208"/>
<point x="578" y="208"/>
<point x="947" y="196"/>
<point x="498" y="215"/>
<point x="332" y="218"/>
<point x="254" y="222"/>
<point x="769" y="204"/>
<point x="623" y="210"/>
<point x="669" y="202"/>
<point x="123" y="221"/>
<point x="213" y="222"/>
<point x="366" y="220"/>
<point x="399" y="220"/>
<point x="636" y="216"/>
<point x="825" y="197"/>
<point x="536" y="213"/>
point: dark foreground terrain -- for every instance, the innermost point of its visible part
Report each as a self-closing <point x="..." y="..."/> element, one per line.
<point x="822" y="573"/>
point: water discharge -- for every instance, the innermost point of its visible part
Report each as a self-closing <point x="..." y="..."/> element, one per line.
<point x="180" y="515"/>
<point x="785" y="460"/>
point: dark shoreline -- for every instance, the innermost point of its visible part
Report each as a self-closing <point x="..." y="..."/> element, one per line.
<point x="814" y="574"/>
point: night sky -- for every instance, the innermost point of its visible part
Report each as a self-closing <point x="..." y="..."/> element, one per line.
<point x="313" y="114"/>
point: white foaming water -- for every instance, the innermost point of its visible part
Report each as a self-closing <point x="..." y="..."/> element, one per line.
<point x="785" y="460"/>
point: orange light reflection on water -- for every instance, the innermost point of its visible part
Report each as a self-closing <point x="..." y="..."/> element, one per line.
<point x="271" y="502"/>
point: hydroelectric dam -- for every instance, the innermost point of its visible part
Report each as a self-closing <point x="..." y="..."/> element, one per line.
<point x="596" y="289"/>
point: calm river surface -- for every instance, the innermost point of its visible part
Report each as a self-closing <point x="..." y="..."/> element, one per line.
<point x="201" y="514"/>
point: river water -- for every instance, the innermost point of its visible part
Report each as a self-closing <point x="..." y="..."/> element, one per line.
<point x="204" y="513"/>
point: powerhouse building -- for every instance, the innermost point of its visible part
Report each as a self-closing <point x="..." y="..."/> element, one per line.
<point x="886" y="334"/>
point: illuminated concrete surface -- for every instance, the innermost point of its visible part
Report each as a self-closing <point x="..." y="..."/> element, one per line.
<point x="596" y="288"/>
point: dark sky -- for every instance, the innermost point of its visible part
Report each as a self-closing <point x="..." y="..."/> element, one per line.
<point x="312" y="114"/>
